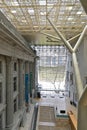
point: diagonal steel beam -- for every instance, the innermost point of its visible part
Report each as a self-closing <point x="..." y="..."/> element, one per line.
<point x="77" y="75"/>
<point x="49" y="35"/>
<point x="84" y="4"/>
<point x="74" y="37"/>
<point x="75" y="62"/>
<point x="80" y="39"/>
<point x="61" y="36"/>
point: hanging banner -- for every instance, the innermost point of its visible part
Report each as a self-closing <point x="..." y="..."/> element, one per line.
<point x="31" y="84"/>
<point x="26" y="88"/>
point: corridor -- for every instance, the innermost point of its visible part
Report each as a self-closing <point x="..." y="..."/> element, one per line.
<point x="43" y="60"/>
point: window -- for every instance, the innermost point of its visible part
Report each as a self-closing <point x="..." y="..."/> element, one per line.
<point x="48" y="60"/>
<point x="15" y="83"/>
<point x="60" y="60"/>
<point x="67" y="76"/>
<point x="0" y="122"/>
<point x="71" y="78"/>
<point x="15" y="66"/>
<point x="71" y="63"/>
<point x="23" y="66"/>
<point x="53" y="60"/>
<point x="0" y="66"/>
<point x="15" y="105"/>
<point x="0" y="92"/>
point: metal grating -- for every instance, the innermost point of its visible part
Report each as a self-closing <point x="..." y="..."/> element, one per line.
<point x="29" y="16"/>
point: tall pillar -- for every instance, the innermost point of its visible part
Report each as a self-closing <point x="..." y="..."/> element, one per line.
<point x="36" y="75"/>
<point x="33" y="72"/>
<point x="30" y="76"/>
<point x="27" y="82"/>
<point x="9" y="92"/>
<point x="21" y="83"/>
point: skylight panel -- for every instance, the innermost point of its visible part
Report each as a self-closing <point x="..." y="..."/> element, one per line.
<point x="70" y="18"/>
<point x="69" y="8"/>
<point x="31" y="11"/>
<point x="79" y="12"/>
<point x="43" y="13"/>
<point x="13" y="11"/>
<point x="15" y="3"/>
<point x="41" y="2"/>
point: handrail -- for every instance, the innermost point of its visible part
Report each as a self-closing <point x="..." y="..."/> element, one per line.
<point x="73" y="121"/>
<point x="34" y="118"/>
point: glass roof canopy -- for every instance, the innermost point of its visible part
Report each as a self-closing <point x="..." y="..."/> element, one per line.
<point x="29" y="16"/>
<point x="52" y="66"/>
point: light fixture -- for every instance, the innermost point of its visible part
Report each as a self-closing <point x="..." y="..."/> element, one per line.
<point x="69" y="7"/>
<point x="82" y="22"/>
<point x="70" y="18"/>
<point x="79" y="12"/>
<point x="43" y="13"/>
<point x="15" y="3"/>
<point x="31" y="11"/>
<point x="42" y="2"/>
<point x="24" y="21"/>
<point x="13" y="11"/>
<point x="73" y="22"/>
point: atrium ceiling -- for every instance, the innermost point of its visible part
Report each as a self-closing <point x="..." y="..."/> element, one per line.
<point x="30" y="16"/>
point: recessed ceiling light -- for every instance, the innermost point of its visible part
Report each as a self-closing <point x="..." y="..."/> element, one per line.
<point x="70" y="18"/>
<point x="31" y="11"/>
<point x="69" y="7"/>
<point x="24" y="21"/>
<point x="73" y="22"/>
<point x="79" y="12"/>
<point x="43" y="20"/>
<point x="82" y="22"/>
<point x="13" y="11"/>
<point x="43" y="13"/>
<point x="42" y="2"/>
<point x="15" y="3"/>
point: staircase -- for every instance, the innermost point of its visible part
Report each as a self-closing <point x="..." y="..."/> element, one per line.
<point x="47" y="120"/>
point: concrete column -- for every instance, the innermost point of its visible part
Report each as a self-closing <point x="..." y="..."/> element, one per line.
<point x="36" y="76"/>
<point x="32" y="80"/>
<point x="9" y="92"/>
<point x="21" y="84"/>
<point x="33" y="71"/>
